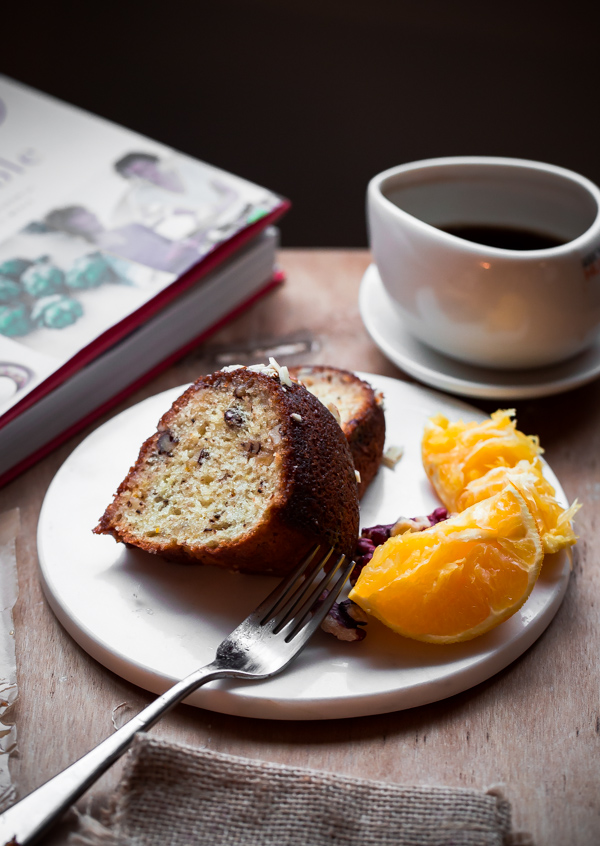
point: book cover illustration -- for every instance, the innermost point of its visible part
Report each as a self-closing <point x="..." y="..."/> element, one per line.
<point x="95" y="221"/>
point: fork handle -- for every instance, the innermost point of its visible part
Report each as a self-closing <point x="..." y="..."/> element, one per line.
<point x="34" y="815"/>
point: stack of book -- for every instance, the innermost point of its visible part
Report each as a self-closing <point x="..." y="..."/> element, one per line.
<point x="117" y="255"/>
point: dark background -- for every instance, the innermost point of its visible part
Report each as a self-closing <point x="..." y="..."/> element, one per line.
<point x="313" y="98"/>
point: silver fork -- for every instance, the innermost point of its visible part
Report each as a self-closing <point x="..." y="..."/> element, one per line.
<point x="263" y="645"/>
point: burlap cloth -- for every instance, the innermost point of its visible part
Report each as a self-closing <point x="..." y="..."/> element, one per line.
<point x="180" y="795"/>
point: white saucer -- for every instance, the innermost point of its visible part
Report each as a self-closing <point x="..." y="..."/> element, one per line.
<point x="386" y="329"/>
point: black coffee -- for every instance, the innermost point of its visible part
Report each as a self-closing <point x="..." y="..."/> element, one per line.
<point x="506" y="237"/>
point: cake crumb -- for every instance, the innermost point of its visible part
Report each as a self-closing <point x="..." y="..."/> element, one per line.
<point x="296" y="417"/>
<point x="392" y="456"/>
<point x="332" y="407"/>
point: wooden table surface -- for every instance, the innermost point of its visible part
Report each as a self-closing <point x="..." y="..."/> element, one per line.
<point x="534" y="727"/>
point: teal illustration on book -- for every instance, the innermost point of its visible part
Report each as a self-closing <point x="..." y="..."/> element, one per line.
<point x="9" y="290"/>
<point x="36" y="294"/>
<point x="15" y="320"/>
<point x="56" y="311"/>
<point x="42" y="279"/>
<point x="90" y="271"/>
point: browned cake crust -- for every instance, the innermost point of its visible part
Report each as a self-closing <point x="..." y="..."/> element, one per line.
<point x="243" y="472"/>
<point x="360" y="409"/>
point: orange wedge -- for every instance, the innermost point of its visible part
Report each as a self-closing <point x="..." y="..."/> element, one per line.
<point x="467" y="462"/>
<point x="454" y="454"/>
<point x="553" y="521"/>
<point x="458" y="579"/>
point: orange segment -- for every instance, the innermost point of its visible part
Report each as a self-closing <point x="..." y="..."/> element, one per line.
<point x="458" y="579"/>
<point x="467" y="462"/>
<point x="553" y="521"/>
<point x="454" y="454"/>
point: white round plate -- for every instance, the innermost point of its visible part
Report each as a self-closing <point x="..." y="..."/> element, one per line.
<point x="387" y="330"/>
<point x="153" y="622"/>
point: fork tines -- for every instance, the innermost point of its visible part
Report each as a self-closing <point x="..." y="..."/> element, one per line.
<point x="308" y="592"/>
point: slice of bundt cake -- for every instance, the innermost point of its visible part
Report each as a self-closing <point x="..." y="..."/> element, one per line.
<point x="246" y="471"/>
<point x="360" y="412"/>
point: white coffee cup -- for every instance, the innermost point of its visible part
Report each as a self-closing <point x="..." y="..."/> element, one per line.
<point x="489" y="305"/>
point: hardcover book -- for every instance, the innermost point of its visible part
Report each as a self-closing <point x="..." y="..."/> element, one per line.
<point x="114" y="249"/>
